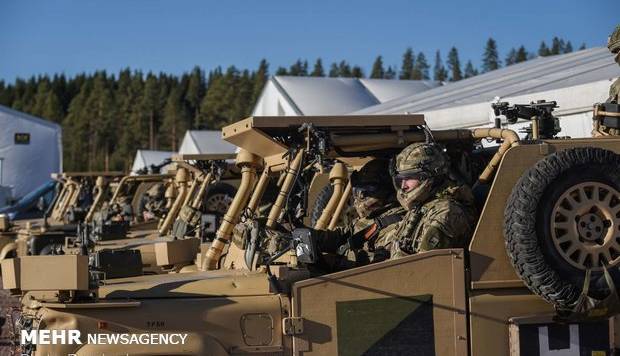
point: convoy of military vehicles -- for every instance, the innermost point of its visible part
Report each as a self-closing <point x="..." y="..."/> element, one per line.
<point x="223" y="248"/>
<point x="254" y="286"/>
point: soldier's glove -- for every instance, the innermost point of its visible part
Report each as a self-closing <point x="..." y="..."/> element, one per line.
<point x="357" y="240"/>
<point x="380" y="254"/>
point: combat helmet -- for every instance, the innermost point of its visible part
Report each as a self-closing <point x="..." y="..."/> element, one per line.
<point x="613" y="43"/>
<point x="369" y="187"/>
<point x="425" y="162"/>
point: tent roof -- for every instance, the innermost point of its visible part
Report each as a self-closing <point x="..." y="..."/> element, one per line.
<point x="146" y="158"/>
<point x="333" y="96"/>
<point x="153" y="157"/>
<point x="207" y="141"/>
<point x="536" y="75"/>
<point x="23" y="116"/>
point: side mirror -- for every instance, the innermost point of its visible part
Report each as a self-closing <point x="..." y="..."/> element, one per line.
<point x="305" y="246"/>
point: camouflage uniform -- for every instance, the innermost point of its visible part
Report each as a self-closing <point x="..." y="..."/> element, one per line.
<point x="614" y="90"/>
<point x="370" y="237"/>
<point x="154" y="202"/>
<point x="440" y="213"/>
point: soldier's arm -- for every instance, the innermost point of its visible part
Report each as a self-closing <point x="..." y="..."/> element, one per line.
<point x="330" y="240"/>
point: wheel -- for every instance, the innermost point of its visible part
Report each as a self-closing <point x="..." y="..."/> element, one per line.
<point x="321" y="202"/>
<point x="218" y="199"/>
<point x="562" y="219"/>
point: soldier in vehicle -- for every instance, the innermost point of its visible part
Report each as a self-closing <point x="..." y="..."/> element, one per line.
<point x="613" y="43"/>
<point x="153" y="203"/>
<point x="440" y="212"/>
<point x="370" y="237"/>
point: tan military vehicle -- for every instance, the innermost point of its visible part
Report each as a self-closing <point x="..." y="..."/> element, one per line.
<point x="537" y="277"/>
<point x="73" y="200"/>
<point x="197" y="198"/>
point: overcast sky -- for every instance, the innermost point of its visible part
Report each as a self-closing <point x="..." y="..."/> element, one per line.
<point x="54" y="36"/>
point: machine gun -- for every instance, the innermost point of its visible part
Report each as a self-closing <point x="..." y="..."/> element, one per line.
<point x="543" y="124"/>
<point x="154" y="168"/>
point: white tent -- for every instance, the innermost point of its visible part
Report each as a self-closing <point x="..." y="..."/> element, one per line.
<point x="294" y="96"/>
<point x="147" y="158"/>
<point x="30" y="150"/>
<point x="205" y="141"/>
<point x="575" y="80"/>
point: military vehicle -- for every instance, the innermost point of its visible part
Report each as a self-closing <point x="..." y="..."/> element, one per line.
<point x="73" y="200"/>
<point x="536" y="278"/>
<point x="197" y="198"/>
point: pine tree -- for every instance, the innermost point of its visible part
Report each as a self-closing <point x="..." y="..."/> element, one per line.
<point x="439" y="71"/>
<point x="52" y="108"/>
<point x="150" y="108"/>
<point x="511" y="57"/>
<point x="334" y="71"/>
<point x="568" y="48"/>
<point x="260" y="79"/>
<point x="76" y="131"/>
<point x="357" y="72"/>
<point x="390" y="73"/>
<point x="490" y="59"/>
<point x="344" y="69"/>
<point x="406" y="69"/>
<point x="377" y="71"/>
<point x="582" y="47"/>
<point x="470" y="71"/>
<point x="27" y="99"/>
<point x="318" y="71"/>
<point x="100" y="111"/>
<point x="43" y="87"/>
<point x="6" y="94"/>
<point x="543" y="50"/>
<point x="196" y="90"/>
<point x="562" y="45"/>
<point x="521" y="55"/>
<point x="59" y="87"/>
<point x="421" y="66"/>
<point x="298" y="69"/>
<point x="176" y="120"/>
<point x="241" y="97"/>
<point x="454" y="65"/>
<point x="281" y="71"/>
<point x="556" y="46"/>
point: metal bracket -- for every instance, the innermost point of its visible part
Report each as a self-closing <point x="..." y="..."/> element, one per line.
<point x="293" y="326"/>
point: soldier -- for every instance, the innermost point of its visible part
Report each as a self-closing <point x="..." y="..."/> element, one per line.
<point x="370" y="237"/>
<point x="154" y="203"/>
<point x="613" y="43"/>
<point x="378" y="213"/>
<point x="440" y="212"/>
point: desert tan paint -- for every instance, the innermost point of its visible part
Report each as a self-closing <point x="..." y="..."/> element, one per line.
<point x="337" y="177"/>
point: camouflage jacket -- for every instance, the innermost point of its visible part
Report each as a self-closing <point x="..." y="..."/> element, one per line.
<point x="373" y="235"/>
<point x="445" y="221"/>
<point x="384" y="235"/>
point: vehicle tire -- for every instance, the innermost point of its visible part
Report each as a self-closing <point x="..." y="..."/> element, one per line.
<point x="218" y="199"/>
<point x="563" y="218"/>
<point x="321" y="202"/>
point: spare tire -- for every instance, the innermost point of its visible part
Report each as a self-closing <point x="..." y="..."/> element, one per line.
<point x="562" y="219"/>
<point x="218" y="199"/>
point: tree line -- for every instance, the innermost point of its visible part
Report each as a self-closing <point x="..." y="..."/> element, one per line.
<point x="107" y="117"/>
